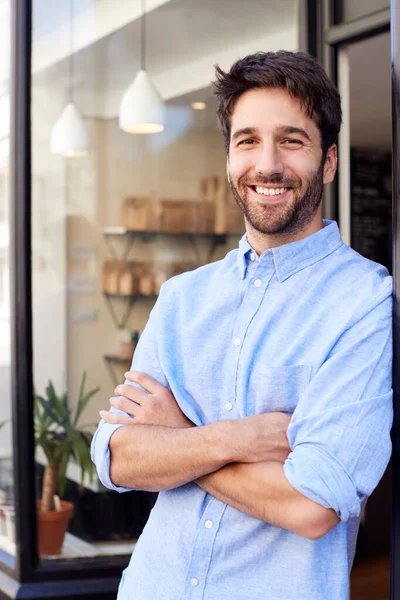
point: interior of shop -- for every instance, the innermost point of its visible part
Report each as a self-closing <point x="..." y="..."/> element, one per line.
<point x="371" y="235"/>
<point x="94" y="279"/>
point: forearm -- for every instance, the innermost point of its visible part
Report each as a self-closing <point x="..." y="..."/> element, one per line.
<point x="261" y="490"/>
<point x="156" y="458"/>
<point x="152" y="457"/>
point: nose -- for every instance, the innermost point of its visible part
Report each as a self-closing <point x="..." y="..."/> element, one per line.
<point x="269" y="160"/>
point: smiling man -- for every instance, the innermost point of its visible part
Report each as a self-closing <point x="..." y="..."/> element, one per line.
<point x="260" y="403"/>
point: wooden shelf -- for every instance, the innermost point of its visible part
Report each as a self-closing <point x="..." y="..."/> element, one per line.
<point x="130" y="296"/>
<point x="116" y="358"/>
<point x="217" y="239"/>
<point x="121" y="231"/>
<point x="130" y="299"/>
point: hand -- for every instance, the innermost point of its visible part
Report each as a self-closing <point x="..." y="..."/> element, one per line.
<point x="156" y="406"/>
<point x="261" y="437"/>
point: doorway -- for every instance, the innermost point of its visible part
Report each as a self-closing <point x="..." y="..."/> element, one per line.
<point x="365" y="219"/>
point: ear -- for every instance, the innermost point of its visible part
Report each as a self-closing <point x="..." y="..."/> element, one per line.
<point x="330" y="165"/>
<point x="227" y="170"/>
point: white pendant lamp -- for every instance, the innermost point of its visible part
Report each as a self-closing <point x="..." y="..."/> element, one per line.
<point x="69" y="136"/>
<point x="142" y="109"/>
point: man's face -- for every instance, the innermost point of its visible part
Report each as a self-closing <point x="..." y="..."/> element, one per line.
<point x="275" y="162"/>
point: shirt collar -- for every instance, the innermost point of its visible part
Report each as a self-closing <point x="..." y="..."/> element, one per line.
<point x="295" y="256"/>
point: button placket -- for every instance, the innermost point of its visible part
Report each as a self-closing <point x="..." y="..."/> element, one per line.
<point x="251" y="303"/>
<point x="202" y="549"/>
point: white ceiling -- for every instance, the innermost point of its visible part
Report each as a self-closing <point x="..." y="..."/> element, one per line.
<point x="184" y="39"/>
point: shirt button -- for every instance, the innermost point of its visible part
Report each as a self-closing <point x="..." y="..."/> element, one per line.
<point x="194" y="582"/>
<point x="228" y="406"/>
<point x="237" y="341"/>
<point x="252" y="256"/>
<point x="208" y="524"/>
<point x="258" y="283"/>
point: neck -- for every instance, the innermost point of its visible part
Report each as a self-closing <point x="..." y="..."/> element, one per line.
<point x="264" y="241"/>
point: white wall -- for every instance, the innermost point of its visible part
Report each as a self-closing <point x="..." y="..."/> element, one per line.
<point x="123" y="165"/>
<point x="49" y="209"/>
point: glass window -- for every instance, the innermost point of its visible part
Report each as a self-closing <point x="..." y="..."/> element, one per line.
<point x="354" y="9"/>
<point x="115" y="214"/>
<point x="7" y="533"/>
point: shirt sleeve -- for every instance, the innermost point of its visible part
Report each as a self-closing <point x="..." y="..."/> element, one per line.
<point x="145" y="359"/>
<point x="340" y="431"/>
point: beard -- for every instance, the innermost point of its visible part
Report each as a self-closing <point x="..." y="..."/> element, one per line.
<point x="290" y="217"/>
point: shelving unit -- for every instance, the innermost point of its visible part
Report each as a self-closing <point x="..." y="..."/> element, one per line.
<point x="129" y="236"/>
<point x="130" y="299"/>
<point x="113" y="359"/>
<point x="149" y="236"/>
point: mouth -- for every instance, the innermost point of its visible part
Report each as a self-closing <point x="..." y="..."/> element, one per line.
<point x="270" y="194"/>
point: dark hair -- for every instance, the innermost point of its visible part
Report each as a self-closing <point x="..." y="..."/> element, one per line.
<point x="296" y="72"/>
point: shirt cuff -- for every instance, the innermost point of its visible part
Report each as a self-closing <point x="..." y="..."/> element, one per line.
<point x="100" y="453"/>
<point x="323" y="479"/>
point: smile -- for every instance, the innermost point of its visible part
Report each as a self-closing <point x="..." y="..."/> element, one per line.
<point x="270" y="191"/>
<point x="270" y="195"/>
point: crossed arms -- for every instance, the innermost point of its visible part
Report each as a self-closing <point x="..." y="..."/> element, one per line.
<point x="302" y="473"/>
<point x="238" y="461"/>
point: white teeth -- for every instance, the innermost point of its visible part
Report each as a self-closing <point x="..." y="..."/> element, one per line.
<point x="270" y="191"/>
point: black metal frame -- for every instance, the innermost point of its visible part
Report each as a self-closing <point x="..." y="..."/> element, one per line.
<point x="395" y="526"/>
<point x="21" y="329"/>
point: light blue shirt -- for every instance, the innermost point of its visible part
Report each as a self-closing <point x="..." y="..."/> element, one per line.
<point x="306" y="329"/>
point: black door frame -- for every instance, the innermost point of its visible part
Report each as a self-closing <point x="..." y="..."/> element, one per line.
<point x="332" y="34"/>
<point x="395" y="525"/>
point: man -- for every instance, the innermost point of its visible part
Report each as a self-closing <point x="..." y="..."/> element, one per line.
<point x="261" y="396"/>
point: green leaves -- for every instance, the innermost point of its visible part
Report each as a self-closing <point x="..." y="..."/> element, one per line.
<point x="58" y="433"/>
<point x="83" y="400"/>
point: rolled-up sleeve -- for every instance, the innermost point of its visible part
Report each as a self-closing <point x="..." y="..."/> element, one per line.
<point x="340" y="431"/>
<point x="145" y="359"/>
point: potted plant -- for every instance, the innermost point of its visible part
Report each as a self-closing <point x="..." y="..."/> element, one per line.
<point x="59" y="435"/>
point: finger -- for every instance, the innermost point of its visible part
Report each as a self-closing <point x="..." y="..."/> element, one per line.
<point x="122" y="403"/>
<point x="146" y="382"/>
<point x="130" y="392"/>
<point x="115" y="419"/>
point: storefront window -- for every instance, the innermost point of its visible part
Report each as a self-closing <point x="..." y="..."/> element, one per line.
<point x="115" y="214"/>
<point x="7" y="512"/>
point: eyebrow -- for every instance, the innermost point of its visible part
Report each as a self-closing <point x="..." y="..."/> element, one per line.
<point x="296" y="130"/>
<point x="244" y="131"/>
<point x="287" y="129"/>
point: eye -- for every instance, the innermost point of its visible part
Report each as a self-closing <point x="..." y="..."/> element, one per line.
<point x="248" y="141"/>
<point x="292" y="142"/>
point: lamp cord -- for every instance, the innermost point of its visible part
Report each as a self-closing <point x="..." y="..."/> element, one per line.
<point x="143" y="37"/>
<point x="71" y="50"/>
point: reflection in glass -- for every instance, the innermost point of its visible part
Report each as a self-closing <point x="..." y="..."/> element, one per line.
<point x="7" y="509"/>
<point x="110" y="227"/>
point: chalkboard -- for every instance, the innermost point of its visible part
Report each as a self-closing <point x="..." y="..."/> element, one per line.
<point x="371" y="204"/>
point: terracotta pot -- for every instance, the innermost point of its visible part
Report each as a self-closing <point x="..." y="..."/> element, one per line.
<point x="52" y="526"/>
